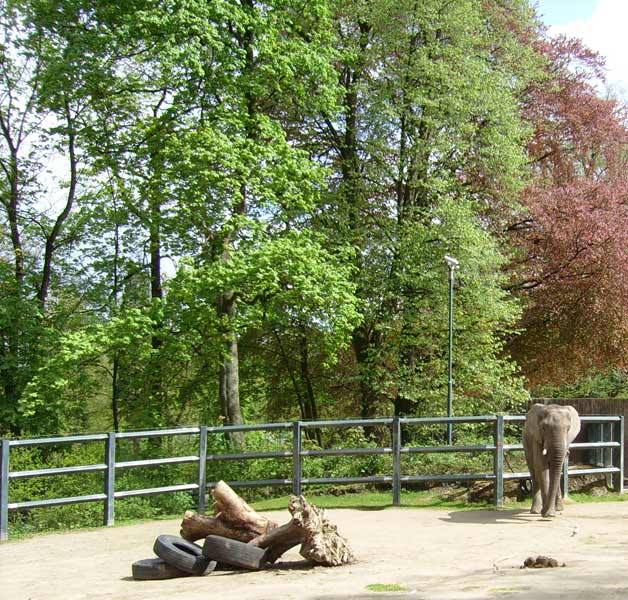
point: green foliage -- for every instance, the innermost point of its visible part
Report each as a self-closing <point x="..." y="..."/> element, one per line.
<point x="613" y="384"/>
<point x="311" y="162"/>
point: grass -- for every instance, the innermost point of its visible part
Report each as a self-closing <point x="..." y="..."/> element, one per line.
<point x="387" y="587"/>
<point x="367" y="501"/>
<point x="374" y="501"/>
<point x="418" y="499"/>
<point x="580" y="497"/>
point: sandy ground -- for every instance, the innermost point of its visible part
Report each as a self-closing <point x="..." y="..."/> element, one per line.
<point x="434" y="554"/>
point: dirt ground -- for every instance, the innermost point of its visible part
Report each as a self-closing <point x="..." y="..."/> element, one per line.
<point x="433" y="554"/>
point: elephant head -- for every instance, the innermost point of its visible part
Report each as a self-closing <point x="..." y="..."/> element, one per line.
<point x="548" y="431"/>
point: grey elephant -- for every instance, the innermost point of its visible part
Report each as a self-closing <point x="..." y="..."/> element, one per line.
<point x="547" y="433"/>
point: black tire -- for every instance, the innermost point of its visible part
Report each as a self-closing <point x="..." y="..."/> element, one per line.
<point x="155" y="568"/>
<point x="233" y="552"/>
<point x="183" y="555"/>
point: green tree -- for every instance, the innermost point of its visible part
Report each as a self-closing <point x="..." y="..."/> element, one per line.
<point x="428" y="146"/>
<point x="40" y="124"/>
<point x="188" y="142"/>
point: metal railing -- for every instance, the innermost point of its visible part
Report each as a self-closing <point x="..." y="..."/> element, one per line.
<point x="612" y="465"/>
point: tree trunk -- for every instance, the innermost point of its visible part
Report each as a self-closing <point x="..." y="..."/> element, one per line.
<point x="233" y="518"/>
<point x="311" y="411"/>
<point x="57" y="228"/>
<point x="319" y="538"/>
<point x="363" y="342"/>
<point x="115" y="394"/>
<point x="229" y="377"/>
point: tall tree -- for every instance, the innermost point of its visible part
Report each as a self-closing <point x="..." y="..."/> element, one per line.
<point x="189" y="115"/>
<point x="429" y="139"/>
<point x="572" y="268"/>
<point x="40" y="122"/>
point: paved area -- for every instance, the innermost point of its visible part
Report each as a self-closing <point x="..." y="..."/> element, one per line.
<point x="431" y="554"/>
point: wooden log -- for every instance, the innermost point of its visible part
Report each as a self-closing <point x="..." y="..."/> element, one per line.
<point x="319" y="538"/>
<point x="323" y="544"/>
<point x="233" y="518"/>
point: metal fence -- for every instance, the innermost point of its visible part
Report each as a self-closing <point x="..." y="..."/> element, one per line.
<point x="612" y="464"/>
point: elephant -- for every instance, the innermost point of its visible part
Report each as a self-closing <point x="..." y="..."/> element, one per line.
<point x="547" y="433"/>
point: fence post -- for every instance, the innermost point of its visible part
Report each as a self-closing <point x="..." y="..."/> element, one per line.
<point x="619" y="477"/>
<point x="498" y="462"/>
<point x="110" y="478"/>
<point x="4" y="490"/>
<point x="202" y="469"/>
<point x="396" y="452"/>
<point x="297" y="471"/>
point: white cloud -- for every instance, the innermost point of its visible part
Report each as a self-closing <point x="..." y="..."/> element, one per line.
<point x="605" y="32"/>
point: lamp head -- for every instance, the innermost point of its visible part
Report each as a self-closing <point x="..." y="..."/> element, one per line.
<point x="452" y="262"/>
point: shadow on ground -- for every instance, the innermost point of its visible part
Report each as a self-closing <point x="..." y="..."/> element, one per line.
<point x="488" y="517"/>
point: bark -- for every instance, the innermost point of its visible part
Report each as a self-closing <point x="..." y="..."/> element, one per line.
<point x="57" y="228"/>
<point x="115" y="394"/>
<point x="309" y="527"/>
<point x="12" y="174"/>
<point x="319" y="538"/>
<point x="229" y="374"/>
<point x="363" y="342"/>
<point x="233" y="518"/>
<point x="311" y="410"/>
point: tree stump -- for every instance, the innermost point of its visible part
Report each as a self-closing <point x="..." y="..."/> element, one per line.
<point x="234" y="518"/>
<point x="319" y="538"/>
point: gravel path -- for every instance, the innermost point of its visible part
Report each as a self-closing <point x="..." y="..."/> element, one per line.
<point x="433" y="554"/>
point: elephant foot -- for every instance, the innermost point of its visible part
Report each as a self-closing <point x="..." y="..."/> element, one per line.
<point x="549" y="513"/>
<point x="559" y="507"/>
<point x="536" y="508"/>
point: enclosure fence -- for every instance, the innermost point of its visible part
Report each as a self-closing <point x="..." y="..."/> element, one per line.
<point x="610" y="437"/>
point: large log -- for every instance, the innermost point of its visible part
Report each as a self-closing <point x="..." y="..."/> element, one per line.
<point x="233" y="518"/>
<point x="319" y="538"/>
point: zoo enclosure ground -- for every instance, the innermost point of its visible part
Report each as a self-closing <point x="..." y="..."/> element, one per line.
<point x="434" y="554"/>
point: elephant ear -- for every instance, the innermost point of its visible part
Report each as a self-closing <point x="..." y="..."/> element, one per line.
<point x="536" y="417"/>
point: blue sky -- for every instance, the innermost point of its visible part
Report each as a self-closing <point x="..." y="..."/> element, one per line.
<point x="561" y="12"/>
<point x="601" y="24"/>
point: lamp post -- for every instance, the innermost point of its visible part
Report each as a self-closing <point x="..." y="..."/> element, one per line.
<point x="453" y="264"/>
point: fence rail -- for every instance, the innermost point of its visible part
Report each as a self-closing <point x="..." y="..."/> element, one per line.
<point x="612" y="463"/>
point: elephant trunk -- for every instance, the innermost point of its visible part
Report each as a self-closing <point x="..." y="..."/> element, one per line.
<point x="556" y="453"/>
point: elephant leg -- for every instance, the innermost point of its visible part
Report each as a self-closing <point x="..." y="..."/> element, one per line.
<point x="537" y="501"/>
<point x="544" y="485"/>
<point x="534" y="478"/>
<point x="559" y="500"/>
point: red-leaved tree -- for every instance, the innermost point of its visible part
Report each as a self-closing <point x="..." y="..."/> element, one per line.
<point x="572" y="242"/>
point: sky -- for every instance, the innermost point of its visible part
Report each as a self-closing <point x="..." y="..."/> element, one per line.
<point x="601" y="24"/>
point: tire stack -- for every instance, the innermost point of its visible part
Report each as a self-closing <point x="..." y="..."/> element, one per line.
<point x="177" y="557"/>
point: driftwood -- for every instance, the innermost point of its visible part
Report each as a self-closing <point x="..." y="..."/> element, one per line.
<point x="309" y="527"/>
<point x="233" y="518"/>
<point x="319" y="538"/>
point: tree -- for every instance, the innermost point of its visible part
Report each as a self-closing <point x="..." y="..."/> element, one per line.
<point x="186" y="138"/>
<point x="572" y="268"/>
<point x="428" y="143"/>
<point x="39" y="122"/>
